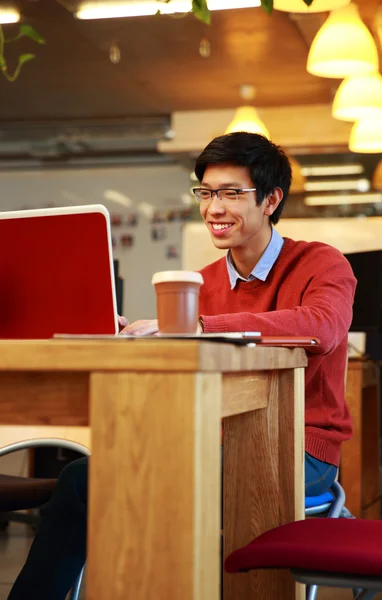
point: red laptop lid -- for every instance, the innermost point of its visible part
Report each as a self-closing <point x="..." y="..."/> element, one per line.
<point x="56" y="273"/>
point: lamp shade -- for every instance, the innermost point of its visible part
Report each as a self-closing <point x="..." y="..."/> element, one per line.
<point x="343" y="46"/>
<point x="366" y="136"/>
<point x="247" y="119"/>
<point x="359" y="97"/>
<point x="377" y="177"/>
<point x="299" y="6"/>
<point x="298" y="179"/>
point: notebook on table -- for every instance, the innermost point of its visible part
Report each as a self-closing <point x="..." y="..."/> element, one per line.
<point x="56" y="273"/>
<point x="249" y="338"/>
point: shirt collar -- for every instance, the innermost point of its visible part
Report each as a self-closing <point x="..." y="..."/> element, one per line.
<point x="264" y="265"/>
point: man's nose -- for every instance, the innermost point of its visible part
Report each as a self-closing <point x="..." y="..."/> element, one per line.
<point x="215" y="205"/>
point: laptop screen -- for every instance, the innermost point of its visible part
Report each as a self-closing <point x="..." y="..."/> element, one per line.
<point x="56" y="273"/>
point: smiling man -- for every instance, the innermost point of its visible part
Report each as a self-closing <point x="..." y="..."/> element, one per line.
<point x="277" y="286"/>
<point x="265" y="283"/>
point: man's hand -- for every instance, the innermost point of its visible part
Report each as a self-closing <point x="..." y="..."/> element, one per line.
<point x="142" y="327"/>
<point x="122" y="322"/>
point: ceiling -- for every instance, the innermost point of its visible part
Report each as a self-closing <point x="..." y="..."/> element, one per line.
<point x="73" y="101"/>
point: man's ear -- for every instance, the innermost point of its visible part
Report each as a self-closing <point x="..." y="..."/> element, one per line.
<point x="272" y="201"/>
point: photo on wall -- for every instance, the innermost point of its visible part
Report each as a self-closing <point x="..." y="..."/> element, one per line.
<point x="172" y="252"/>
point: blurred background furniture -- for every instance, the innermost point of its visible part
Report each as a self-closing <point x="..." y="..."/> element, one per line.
<point x="360" y="460"/>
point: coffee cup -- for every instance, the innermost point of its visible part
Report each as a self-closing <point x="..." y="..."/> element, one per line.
<point x="177" y="295"/>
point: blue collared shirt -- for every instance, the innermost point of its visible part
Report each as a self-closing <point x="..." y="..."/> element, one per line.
<point x="265" y="264"/>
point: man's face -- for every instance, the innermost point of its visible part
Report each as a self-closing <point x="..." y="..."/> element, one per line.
<point x="232" y="224"/>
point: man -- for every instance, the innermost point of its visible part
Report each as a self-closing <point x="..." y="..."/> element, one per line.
<point x="265" y="283"/>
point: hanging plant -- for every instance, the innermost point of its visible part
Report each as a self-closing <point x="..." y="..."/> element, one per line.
<point x="199" y="8"/>
<point x="25" y="31"/>
<point x="202" y="12"/>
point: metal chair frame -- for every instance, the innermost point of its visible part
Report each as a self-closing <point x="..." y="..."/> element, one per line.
<point x="366" y="587"/>
<point x="335" y="510"/>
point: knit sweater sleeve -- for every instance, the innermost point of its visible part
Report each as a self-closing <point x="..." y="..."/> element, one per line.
<point x="325" y="311"/>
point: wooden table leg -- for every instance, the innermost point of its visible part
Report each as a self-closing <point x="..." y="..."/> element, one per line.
<point x="154" y="516"/>
<point x="264" y="481"/>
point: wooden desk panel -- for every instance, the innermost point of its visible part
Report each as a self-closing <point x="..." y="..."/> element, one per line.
<point x="155" y="414"/>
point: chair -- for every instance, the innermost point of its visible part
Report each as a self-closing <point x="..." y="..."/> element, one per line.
<point x="344" y="553"/>
<point x="20" y="493"/>
<point x="331" y="505"/>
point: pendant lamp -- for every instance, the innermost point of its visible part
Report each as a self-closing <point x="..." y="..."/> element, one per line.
<point x="377" y="177"/>
<point x="298" y="179"/>
<point x="366" y="136"/>
<point x="299" y="6"/>
<point x="343" y="46"/>
<point x="246" y="117"/>
<point x="359" y="97"/>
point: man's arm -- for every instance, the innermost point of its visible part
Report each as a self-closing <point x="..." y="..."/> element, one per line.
<point x="325" y="312"/>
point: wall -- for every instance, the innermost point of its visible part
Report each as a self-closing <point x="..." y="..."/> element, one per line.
<point x="125" y="191"/>
<point x="348" y="235"/>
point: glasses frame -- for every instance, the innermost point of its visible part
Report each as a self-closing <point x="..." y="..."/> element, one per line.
<point x="216" y="192"/>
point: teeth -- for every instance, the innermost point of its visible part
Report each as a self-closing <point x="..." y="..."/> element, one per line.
<point x="219" y="226"/>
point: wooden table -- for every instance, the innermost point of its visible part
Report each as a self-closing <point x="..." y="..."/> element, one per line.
<point x="360" y="462"/>
<point x="155" y="412"/>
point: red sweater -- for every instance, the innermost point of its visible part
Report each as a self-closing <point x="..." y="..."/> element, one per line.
<point x="309" y="292"/>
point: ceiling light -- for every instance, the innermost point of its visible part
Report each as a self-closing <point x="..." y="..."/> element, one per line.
<point x="146" y="209"/>
<point x="299" y="6"/>
<point x="377" y="176"/>
<point x="118" y="197"/>
<point x="9" y="15"/>
<point x="341" y="199"/>
<point x="366" y="136"/>
<point x="137" y="8"/>
<point x="361" y="185"/>
<point x="359" y="97"/>
<point x="298" y="179"/>
<point x="323" y="170"/>
<point x="246" y="117"/>
<point x="187" y="199"/>
<point x="343" y="46"/>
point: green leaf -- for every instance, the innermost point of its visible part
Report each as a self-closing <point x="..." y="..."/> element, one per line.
<point x="201" y="11"/>
<point x="28" y="31"/>
<point x="23" y="58"/>
<point x="3" y="62"/>
<point x="267" y="5"/>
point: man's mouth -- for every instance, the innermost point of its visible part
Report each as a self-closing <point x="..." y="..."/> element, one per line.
<point x="220" y="228"/>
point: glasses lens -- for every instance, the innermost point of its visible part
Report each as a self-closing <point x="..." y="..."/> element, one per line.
<point x="202" y="195"/>
<point x="228" y="195"/>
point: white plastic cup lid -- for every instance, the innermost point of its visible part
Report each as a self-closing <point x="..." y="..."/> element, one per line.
<point x="181" y="276"/>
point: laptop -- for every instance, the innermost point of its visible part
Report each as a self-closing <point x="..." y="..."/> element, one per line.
<point x="56" y="273"/>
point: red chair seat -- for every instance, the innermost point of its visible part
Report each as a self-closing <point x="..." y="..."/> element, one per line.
<point x="348" y="546"/>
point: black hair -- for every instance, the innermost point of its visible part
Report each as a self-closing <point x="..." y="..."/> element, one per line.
<point x="268" y="165"/>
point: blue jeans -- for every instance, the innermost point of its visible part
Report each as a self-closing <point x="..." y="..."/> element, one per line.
<point x="58" y="552"/>
<point x="319" y="476"/>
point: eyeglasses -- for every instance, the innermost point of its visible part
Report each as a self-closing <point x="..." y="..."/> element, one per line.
<point x="225" y="195"/>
